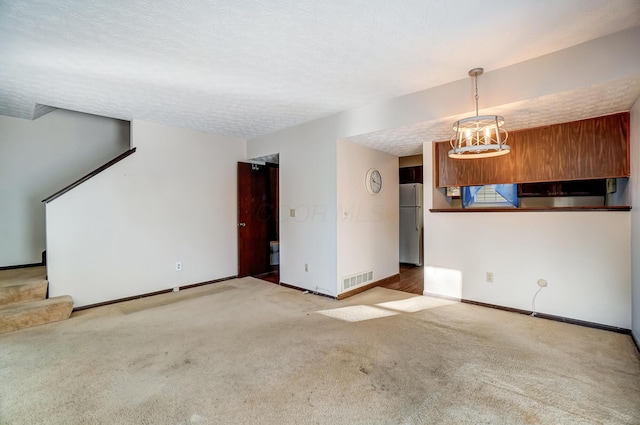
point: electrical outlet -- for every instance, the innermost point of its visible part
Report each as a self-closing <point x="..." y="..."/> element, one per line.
<point x="176" y="289"/>
<point x="306" y="267"/>
<point x="489" y="277"/>
<point x="178" y="266"/>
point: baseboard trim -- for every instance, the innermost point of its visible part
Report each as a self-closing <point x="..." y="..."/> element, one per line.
<point x="553" y="317"/>
<point x="635" y="341"/>
<point x="386" y="280"/>
<point x="297" y="288"/>
<point x="151" y="294"/>
<point x="444" y="297"/>
<point x="22" y="266"/>
<point x="195" y="285"/>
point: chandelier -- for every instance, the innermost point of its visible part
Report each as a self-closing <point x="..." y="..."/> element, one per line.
<point x="482" y="136"/>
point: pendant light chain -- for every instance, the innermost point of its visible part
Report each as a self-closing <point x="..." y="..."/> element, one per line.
<point x="477" y="97"/>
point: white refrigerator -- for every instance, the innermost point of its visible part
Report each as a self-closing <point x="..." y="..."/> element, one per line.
<point x="411" y="223"/>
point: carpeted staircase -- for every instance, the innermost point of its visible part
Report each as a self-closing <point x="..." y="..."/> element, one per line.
<point x="24" y="302"/>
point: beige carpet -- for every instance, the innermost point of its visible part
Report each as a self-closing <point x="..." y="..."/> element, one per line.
<point x="251" y="352"/>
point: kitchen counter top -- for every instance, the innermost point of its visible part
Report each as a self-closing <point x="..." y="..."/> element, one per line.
<point x="530" y="209"/>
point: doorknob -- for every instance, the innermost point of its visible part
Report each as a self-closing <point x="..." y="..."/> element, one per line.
<point x="242" y="224"/>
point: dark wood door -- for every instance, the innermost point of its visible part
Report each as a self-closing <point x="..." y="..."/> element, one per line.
<point x="254" y="217"/>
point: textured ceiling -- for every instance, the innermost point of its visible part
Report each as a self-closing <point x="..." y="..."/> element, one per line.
<point x="273" y="158"/>
<point x="245" y="68"/>
<point x="586" y="102"/>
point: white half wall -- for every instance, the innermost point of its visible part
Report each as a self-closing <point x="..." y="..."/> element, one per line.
<point x="307" y="185"/>
<point x="368" y="225"/>
<point x="121" y="233"/>
<point x="40" y="157"/>
<point x="584" y="256"/>
<point x="634" y="189"/>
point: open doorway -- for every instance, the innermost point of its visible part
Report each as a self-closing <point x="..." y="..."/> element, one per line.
<point x="273" y="275"/>
<point x="258" y="219"/>
<point x="411" y="231"/>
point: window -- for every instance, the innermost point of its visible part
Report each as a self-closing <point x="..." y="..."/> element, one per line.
<point x="490" y="195"/>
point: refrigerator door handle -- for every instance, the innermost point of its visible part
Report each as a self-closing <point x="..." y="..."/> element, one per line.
<point x="417" y="214"/>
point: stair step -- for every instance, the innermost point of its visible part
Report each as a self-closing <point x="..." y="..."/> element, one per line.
<point x="33" y="313"/>
<point x="26" y="273"/>
<point x="18" y="292"/>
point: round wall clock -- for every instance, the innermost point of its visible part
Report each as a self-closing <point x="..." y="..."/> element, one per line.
<point x="373" y="181"/>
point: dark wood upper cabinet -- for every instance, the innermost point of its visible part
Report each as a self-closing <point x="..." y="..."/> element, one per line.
<point x="597" y="148"/>
<point x="411" y="174"/>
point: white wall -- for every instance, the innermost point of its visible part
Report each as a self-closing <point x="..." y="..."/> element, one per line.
<point x="634" y="189"/>
<point x="40" y="157"/>
<point x="581" y="66"/>
<point x="584" y="256"/>
<point x="307" y="184"/>
<point x="308" y="152"/>
<point x="310" y="155"/>
<point x="121" y="233"/>
<point x="367" y="224"/>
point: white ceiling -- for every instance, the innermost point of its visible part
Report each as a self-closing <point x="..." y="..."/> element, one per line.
<point x="586" y="102"/>
<point x="245" y="68"/>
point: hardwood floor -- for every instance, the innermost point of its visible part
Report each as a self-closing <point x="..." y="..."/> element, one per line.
<point x="411" y="279"/>
<point x="273" y="276"/>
